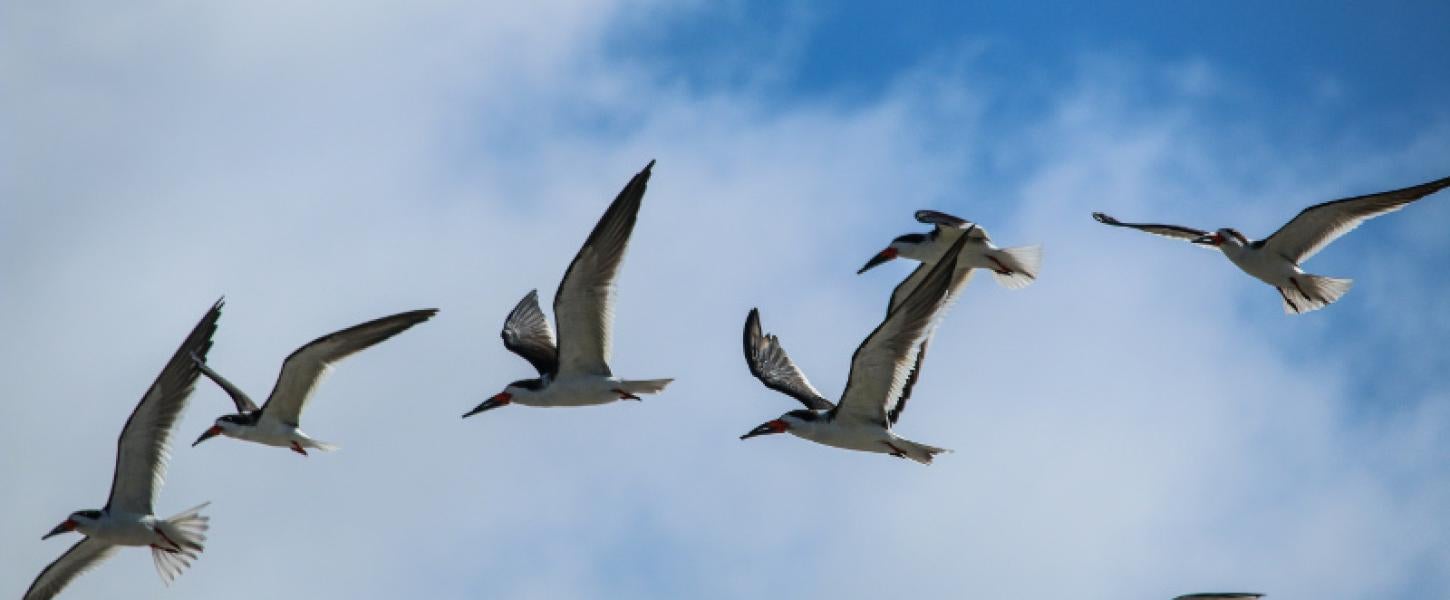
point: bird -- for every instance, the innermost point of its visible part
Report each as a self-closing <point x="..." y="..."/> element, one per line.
<point x="575" y="370"/>
<point x="1014" y="268"/>
<point x="1276" y="259"/>
<point x="883" y="371"/>
<point x="1221" y="596"/>
<point x="143" y="450"/>
<point x="276" y="423"/>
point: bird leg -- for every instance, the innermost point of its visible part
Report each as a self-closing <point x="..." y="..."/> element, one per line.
<point x="298" y="448"/>
<point x="1001" y="268"/>
<point x="623" y="395"/>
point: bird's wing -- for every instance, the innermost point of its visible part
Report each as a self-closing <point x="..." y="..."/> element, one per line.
<point x="883" y="362"/>
<point x="941" y="219"/>
<point x="244" y="403"/>
<point x="1221" y="596"/>
<point x="144" y="446"/>
<point x="904" y="289"/>
<point x="526" y="332"/>
<point x="80" y="558"/>
<point x="1176" y="232"/>
<point x="895" y="413"/>
<point x="584" y="303"/>
<point x="769" y="363"/>
<point x="1315" y="227"/>
<point x="305" y="367"/>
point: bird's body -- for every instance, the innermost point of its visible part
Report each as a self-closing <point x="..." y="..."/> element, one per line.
<point x="1276" y="259"/>
<point x="574" y="371"/>
<point x="1014" y="268"/>
<point x="142" y="452"/>
<point x="277" y="423"/>
<point x="884" y="369"/>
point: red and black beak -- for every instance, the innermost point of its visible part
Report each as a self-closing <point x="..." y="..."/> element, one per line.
<point x="208" y="434"/>
<point x="884" y="256"/>
<point x="67" y="525"/>
<point x="1211" y="239"/>
<point x="776" y="426"/>
<point x="499" y="399"/>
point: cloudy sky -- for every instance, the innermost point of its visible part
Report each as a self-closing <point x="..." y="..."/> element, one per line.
<point x="1141" y="422"/>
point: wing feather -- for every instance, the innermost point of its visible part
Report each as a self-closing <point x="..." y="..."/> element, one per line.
<point x="143" y="448"/>
<point x="1315" y="227"/>
<point x="584" y="303"/>
<point x="81" y="557"/>
<point x="769" y="363"/>
<point x="526" y="332"/>
<point x="306" y="366"/>
<point x="1177" y="232"/>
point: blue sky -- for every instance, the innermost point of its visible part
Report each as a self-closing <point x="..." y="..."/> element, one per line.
<point x="1141" y="422"/>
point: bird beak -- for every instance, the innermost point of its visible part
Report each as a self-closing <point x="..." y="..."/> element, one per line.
<point x="1212" y="239"/>
<point x="884" y="256"/>
<point x="776" y="426"/>
<point x="68" y="525"/>
<point x="500" y="399"/>
<point x="208" y="434"/>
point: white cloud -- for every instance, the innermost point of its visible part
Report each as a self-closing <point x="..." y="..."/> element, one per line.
<point x="1139" y="423"/>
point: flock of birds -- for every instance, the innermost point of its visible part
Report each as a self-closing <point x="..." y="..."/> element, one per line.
<point x="574" y="368"/>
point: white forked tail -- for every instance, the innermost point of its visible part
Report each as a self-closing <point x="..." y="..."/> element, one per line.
<point x="1312" y="292"/>
<point x="183" y="535"/>
<point x="644" y="386"/>
<point x="1022" y="264"/>
<point x="921" y="453"/>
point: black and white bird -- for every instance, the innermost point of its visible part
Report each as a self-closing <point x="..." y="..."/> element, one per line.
<point x="1014" y="268"/>
<point x="575" y="371"/>
<point x="1275" y="259"/>
<point x="141" y="456"/>
<point x="883" y="371"/>
<point x="277" y="423"/>
<point x="1221" y="596"/>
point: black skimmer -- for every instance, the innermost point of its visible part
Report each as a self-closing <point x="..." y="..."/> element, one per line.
<point x="141" y="457"/>
<point x="1221" y="596"/>
<point x="1014" y="268"/>
<point x="276" y="422"/>
<point x="883" y="370"/>
<point x="1275" y="260"/>
<point x="575" y="372"/>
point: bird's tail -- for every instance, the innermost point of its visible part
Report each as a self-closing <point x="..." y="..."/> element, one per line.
<point x="1019" y="265"/>
<point x="921" y="453"/>
<point x="1312" y="292"/>
<point x="644" y="386"/>
<point x="182" y="537"/>
<point x="321" y="445"/>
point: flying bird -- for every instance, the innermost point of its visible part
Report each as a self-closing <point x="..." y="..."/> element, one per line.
<point x="1014" y="268"/>
<point x="575" y="371"/>
<point x="1275" y="259"/>
<point x="1221" y="596"/>
<point x="276" y="423"/>
<point x="883" y="371"/>
<point x="141" y="456"/>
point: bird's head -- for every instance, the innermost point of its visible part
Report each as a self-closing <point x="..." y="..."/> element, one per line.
<point x="83" y="520"/>
<point x="788" y="421"/>
<point x="902" y="245"/>
<point x="522" y="387"/>
<point x="1226" y="235"/>
<point x="224" y="425"/>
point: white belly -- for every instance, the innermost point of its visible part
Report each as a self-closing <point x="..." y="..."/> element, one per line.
<point x="124" y="529"/>
<point x="574" y="391"/>
<point x="269" y="432"/>
<point x="864" y="437"/>
<point x="1264" y="266"/>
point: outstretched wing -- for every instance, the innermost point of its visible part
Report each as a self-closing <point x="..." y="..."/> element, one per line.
<point x="1315" y="227"/>
<point x="1177" y="232"/>
<point x="306" y="366"/>
<point x="769" y="363"/>
<point x="144" y="446"/>
<point x="882" y="363"/>
<point x="241" y="399"/>
<point x="584" y="303"/>
<point x="941" y="219"/>
<point x="80" y="558"/>
<point x="526" y="332"/>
